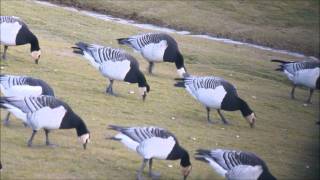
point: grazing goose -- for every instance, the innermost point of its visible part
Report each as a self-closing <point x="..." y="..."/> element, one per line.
<point x="48" y="113"/>
<point x="22" y="86"/>
<point x="235" y="164"/>
<point x="156" y="47"/>
<point x="303" y="73"/>
<point x="217" y="93"/>
<point x="153" y="142"/>
<point x="114" y="64"/>
<point x="15" y="32"/>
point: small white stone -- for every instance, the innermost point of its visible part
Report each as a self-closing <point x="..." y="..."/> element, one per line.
<point x="222" y="128"/>
<point x="173" y="118"/>
<point x="170" y="165"/>
<point x="254" y="97"/>
<point x="55" y="70"/>
<point x="307" y="166"/>
<point x="216" y="144"/>
<point x="305" y="105"/>
<point x="230" y="74"/>
<point x="193" y="138"/>
<point x="237" y="136"/>
<point x="2" y="68"/>
<point x="131" y="92"/>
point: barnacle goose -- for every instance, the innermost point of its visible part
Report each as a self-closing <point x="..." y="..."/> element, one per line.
<point x="156" y="47"/>
<point x="15" y="32"/>
<point x="48" y="113"/>
<point x="21" y="86"/>
<point x="153" y="143"/>
<point x="217" y="93"/>
<point x="114" y="64"/>
<point x="303" y="73"/>
<point x="235" y="165"/>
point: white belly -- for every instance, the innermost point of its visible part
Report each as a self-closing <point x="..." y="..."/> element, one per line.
<point x="307" y="77"/>
<point x="115" y="70"/>
<point x="154" y="52"/>
<point x="9" y="33"/>
<point x="22" y="91"/>
<point x="46" y="118"/>
<point x="211" y="97"/>
<point x="150" y="148"/>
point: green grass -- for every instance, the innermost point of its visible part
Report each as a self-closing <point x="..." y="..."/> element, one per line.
<point x="288" y="24"/>
<point x="285" y="136"/>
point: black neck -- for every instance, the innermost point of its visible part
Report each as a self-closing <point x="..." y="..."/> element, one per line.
<point x="81" y="128"/>
<point x="266" y="175"/>
<point x="179" y="61"/>
<point x="179" y="153"/>
<point x="72" y="120"/>
<point x="34" y="43"/>
<point x="142" y="82"/>
<point x="244" y="108"/>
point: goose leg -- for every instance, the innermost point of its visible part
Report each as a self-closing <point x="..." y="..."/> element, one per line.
<point x="292" y="91"/>
<point x="139" y="175"/>
<point x="31" y="138"/>
<point x="6" y="120"/>
<point x="150" y="68"/>
<point x="222" y="117"/>
<point x="109" y="88"/>
<point x="153" y="175"/>
<point x="208" y="115"/>
<point x="4" y="55"/>
<point x="47" y="138"/>
<point x="310" y="95"/>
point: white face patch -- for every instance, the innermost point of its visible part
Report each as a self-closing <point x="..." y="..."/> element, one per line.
<point x="35" y="55"/>
<point x="83" y="139"/>
<point x="181" y="71"/>
<point x="142" y="90"/>
<point x="251" y="119"/>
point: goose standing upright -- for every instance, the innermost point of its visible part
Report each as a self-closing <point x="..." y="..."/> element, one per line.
<point x="303" y="73"/>
<point x="15" y="32"/>
<point x="114" y="64"/>
<point x="217" y="93"/>
<point x="235" y="165"/>
<point x="22" y="86"/>
<point x="153" y="143"/>
<point x="156" y="47"/>
<point x="48" y="113"/>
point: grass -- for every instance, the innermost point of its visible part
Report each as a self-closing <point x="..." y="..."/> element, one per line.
<point x="291" y="25"/>
<point x="285" y="136"/>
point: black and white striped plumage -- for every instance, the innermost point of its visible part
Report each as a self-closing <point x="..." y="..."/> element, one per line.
<point x="303" y="73"/>
<point x="156" y="47"/>
<point x="217" y="93"/>
<point x="15" y="32"/>
<point x="45" y="112"/>
<point x="114" y="64"/>
<point x="153" y="143"/>
<point x="22" y="86"/>
<point x="236" y="165"/>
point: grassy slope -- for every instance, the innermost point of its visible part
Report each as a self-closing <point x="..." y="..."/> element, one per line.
<point x="286" y="135"/>
<point x="292" y="25"/>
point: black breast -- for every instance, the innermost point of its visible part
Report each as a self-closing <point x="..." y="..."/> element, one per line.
<point x="23" y="36"/>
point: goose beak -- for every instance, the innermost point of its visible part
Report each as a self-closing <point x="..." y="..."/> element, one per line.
<point x="144" y="97"/>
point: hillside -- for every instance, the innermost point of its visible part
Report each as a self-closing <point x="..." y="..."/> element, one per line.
<point x="289" y="25"/>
